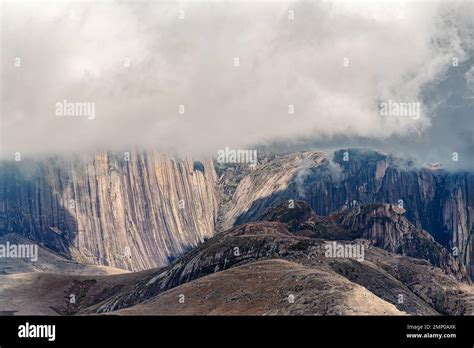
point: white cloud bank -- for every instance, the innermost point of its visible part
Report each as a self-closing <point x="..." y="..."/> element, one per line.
<point x="79" y="52"/>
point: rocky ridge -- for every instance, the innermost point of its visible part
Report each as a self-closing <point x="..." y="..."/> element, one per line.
<point x="134" y="211"/>
<point x="435" y="200"/>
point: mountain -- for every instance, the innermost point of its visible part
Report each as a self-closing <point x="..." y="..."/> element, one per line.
<point x="144" y="212"/>
<point x="250" y="290"/>
<point x="21" y="279"/>
<point x="47" y="261"/>
<point x="384" y="225"/>
<point x="281" y="267"/>
<point x="438" y="201"/>
<point x="134" y="210"/>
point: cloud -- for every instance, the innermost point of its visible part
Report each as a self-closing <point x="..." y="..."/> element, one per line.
<point x="138" y="62"/>
<point x="469" y="76"/>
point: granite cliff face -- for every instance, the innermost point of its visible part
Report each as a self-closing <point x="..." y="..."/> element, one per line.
<point x="253" y="268"/>
<point x="383" y="225"/>
<point x="143" y="211"/>
<point x="435" y="200"/>
<point x="388" y="229"/>
<point x="133" y="211"/>
<point x="277" y="267"/>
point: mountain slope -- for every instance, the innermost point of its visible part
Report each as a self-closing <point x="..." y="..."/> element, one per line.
<point x="48" y="261"/>
<point x="435" y="200"/>
<point x="271" y="267"/>
<point x="250" y="290"/>
<point x="133" y="214"/>
<point x="385" y="274"/>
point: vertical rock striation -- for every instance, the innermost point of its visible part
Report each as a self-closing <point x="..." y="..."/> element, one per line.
<point x="144" y="212"/>
<point x="438" y="201"/>
<point x="105" y="210"/>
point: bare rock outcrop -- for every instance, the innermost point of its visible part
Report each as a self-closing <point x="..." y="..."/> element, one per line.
<point x="134" y="211"/>
<point x="264" y="268"/>
<point x="435" y="200"/>
<point x="383" y="273"/>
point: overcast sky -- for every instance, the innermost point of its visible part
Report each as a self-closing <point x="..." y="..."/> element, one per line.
<point x="139" y="61"/>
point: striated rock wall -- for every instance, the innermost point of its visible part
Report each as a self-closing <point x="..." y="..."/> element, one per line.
<point x="425" y="288"/>
<point x="132" y="214"/>
<point x="435" y="200"/>
<point x="382" y="225"/>
<point x="387" y="228"/>
<point x="144" y="212"/>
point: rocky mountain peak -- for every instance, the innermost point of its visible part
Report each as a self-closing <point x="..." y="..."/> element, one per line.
<point x="294" y="214"/>
<point x="434" y="200"/>
<point x="384" y="225"/>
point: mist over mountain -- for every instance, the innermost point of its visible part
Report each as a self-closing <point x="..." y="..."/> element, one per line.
<point x="451" y="130"/>
<point x="193" y="79"/>
<point x="237" y="158"/>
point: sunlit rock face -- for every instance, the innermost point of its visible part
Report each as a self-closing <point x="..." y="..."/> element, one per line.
<point x="398" y="259"/>
<point x="143" y="210"/>
<point x="133" y="210"/>
<point x="438" y="201"/>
